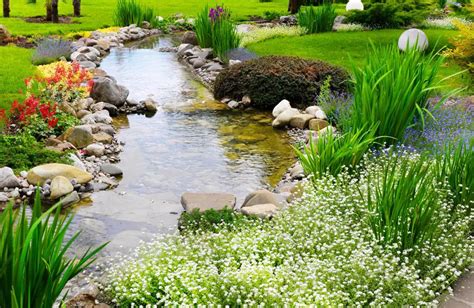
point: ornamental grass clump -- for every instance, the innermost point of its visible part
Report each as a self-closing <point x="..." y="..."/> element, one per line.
<point x="50" y="50"/>
<point x="317" y="19"/>
<point x="332" y="153"/>
<point x="321" y="251"/>
<point x="204" y="28"/>
<point x="392" y="88"/>
<point x="129" y="12"/>
<point x="33" y="265"/>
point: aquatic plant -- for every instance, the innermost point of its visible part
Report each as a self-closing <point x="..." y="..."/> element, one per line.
<point x="203" y="28"/>
<point x="317" y="19"/>
<point x="50" y="50"/>
<point x="33" y="262"/>
<point x="129" y="12"/>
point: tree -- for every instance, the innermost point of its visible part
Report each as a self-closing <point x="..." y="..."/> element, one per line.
<point x="6" y="8"/>
<point x="77" y="7"/>
<point x="294" y="6"/>
<point x="49" y="10"/>
<point x="54" y="11"/>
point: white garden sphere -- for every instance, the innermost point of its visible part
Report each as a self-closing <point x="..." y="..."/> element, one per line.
<point x="411" y="37"/>
<point x="354" y="5"/>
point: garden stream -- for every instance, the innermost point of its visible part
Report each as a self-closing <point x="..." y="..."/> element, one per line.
<point x="191" y="144"/>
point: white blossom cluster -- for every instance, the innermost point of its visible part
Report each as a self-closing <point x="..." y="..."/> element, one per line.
<point x="444" y="23"/>
<point x="266" y="33"/>
<point x="318" y="252"/>
<point x="351" y="27"/>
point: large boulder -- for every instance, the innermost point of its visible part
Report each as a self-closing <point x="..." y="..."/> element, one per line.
<point x="207" y="201"/>
<point x="281" y="107"/>
<point x="107" y="90"/>
<point x="262" y="196"/>
<point x="8" y="178"/>
<point x="267" y="210"/>
<point x="39" y="174"/>
<point x="60" y="186"/>
<point x="285" y="117"/>
<point x="189" y="37"/>
<point x="80" y="136"/>
<point x="301" y="121"/>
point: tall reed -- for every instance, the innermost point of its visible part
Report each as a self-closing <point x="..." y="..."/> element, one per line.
<point x="129" y="12"/>
<point x="317" y="19"/>
<point x="203" y="28"/>
<point x="224" y="38"/>
<point x="33" y="265"/>
<point x="392" y="88"/>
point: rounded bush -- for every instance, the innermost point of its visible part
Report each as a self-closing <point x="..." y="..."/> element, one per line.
<point x="268" y="80"/>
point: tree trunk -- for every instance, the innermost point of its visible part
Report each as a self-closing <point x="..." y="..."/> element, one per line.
<point x="54" y="11"/>
<point x="294" y="6"/>
<point x="77" y="7"/>
<point x="6" y="8"/>
<point x="49" y="11"/>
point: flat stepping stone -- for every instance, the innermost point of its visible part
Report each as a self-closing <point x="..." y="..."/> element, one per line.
<point x="113" y="170"/>
<point x="207" y="201"/>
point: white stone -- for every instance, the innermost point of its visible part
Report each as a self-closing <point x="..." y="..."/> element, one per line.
<point x="260" y="210"/>
<point x="412" y="37"/>
<point x="281" y="107"/>
<point x="285" y="117"/>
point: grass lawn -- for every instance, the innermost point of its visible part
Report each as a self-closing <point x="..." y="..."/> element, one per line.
<point x="346" y="48"/>
<point x="15" y="66"/>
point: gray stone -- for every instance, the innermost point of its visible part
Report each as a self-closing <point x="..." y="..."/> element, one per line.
<point x="97" y="107"/>
<point x="96" y="149"/>
<point x="215" y="67"/>
<point x="150" y="105"/>
<point x="301" y="121"/>
<point x="206" y="201"/>
<point x="80" y="136"/>
<point x="76" y="162"/>
<point x="297" y="172"/>
<point x="189" y="37"/>
<point x="183" y="48"/>
<point x="112" y="170"/>
<point x="233" y="104"/>
<point x="267" y="210"/>
<point x="107" y="90"/>
<point x="60" y="186"/>
<point x="246" y="100"/>
<point x="262" y="196"/>
<point x="3" y="197"/>
<point x="198" y="63"/>
<point x="284" y="118"/>
<point x="8" y="178"/>
<point x="112" y="109"/>
<point x="281" y="107"/>
<point x="70" y="199"/>
<point x="87" y="65"/>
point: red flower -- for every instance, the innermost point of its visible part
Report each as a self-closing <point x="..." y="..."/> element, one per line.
<point x="52" y="122"/>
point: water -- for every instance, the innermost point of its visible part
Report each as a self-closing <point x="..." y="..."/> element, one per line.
<point x="192" y="144"/>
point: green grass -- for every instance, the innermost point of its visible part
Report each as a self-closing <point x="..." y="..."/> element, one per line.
<point x="342" y="48"/>
<point x="15" y="66"/>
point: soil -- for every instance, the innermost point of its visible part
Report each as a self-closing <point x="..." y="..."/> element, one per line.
<point x="42" y="20"/>
<point x="19" y="41"/>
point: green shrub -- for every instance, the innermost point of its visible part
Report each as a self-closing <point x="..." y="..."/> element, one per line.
<point x="34" y="268"/>
<point x="389" y="14"/>
<point x="40" y="129"/>
<point x="203" y="28"/>
<point x="211" y="220"/>
<point x="22" y="152"/>
<point x="331" y="153"/>
<point x="392" y="88"/>
<point x="317" y="19"/>
<point x="268" y="80"/>
<point x="320" y="252"/>
<point x="129" y="12"/>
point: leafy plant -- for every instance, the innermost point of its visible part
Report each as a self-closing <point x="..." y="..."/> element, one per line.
<point x="463" y="42"/>
<point x="268" y="80"/>
<point x="211" y="220"/>
<point x="129" y="12"/>
<point x="331" y="153"/>
<point x="23" y="152"/>
<point x="317" y="19"/>
<point x="224" y="38"/>
<point x="403" y="203"/>
<point x="203" y="28"/>
<point x="33" y="265"/>
<point x="392" y="88"/>
<point x="50" y="50"/>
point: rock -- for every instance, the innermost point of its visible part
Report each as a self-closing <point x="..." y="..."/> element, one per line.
<point x="110" y="169"/>
<point x="246" y="100"/>
<point x="82" y="113"/>
<point x="317" y="112"/>
<point x="76" y="162"/>
<point x="301" y="121"/>
<point x="102" y="137"/>
<point x="327" y="129"/>
<point x="215" y="67"/>
<point x="4" y="197"/>
<point x="67" y="109"/>
<point x="206" y="201"/>
<point x="107" y="90"/>
<point x="97" y="107"/>
<point x="70" y="199"/>
<point x="267" y="210"/>
<point x="289" y="20"/>
<point x="96" y="149"/>
<point x="4" y="34"/>
<point x="24" y="174"/>
<point x="88" y="65"/>
<point x="189" y="37"/>
<point x="60" y="186"/>
<point x="233" y="104"/>
<point x="262" y="196"/>
<point x="198" y="63"/>
<point x="234" y="62"/>
<point x="40" y="174"/>
<point x="8" y="178"/>
<point x="97" y="117"/>
<point x="317" y="124"/>
<point x="284" y="118"/>
<point x="112" y="109"/>
<point x="297" y="172"/>
<point x="80" y="136"/>
<point x="145" y="25"/>
<point x="183" y="48"/>
<point x="150" y="105"/>
<point x="320" y="115"/>
<point x="103" y="44"/>
<point x="281" y="107"/>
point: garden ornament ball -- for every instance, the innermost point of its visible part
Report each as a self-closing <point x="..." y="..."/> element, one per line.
<point x="354" y="5"/>
<point x="411" y="37"/>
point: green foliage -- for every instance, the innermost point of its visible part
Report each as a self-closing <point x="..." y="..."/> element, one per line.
<point x="40" y="129"/>
<point x="268" y="80"/>
<point x="271" y="15"/>
<point x="203" y="28"/>
<point x="389" y="14"/>
<point x="211" y="220"/>
<point x="317" y="19"/>
<point x="33" y="265"/>
<point x="403" y="203"/>
<point x="22" y="152"/>
<point x="455" y="165"/>
<point x="129" y="12"/>
<point x="331" y="153"/>
<point x="392" y="88"/>
<point x="224" y="38"/>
